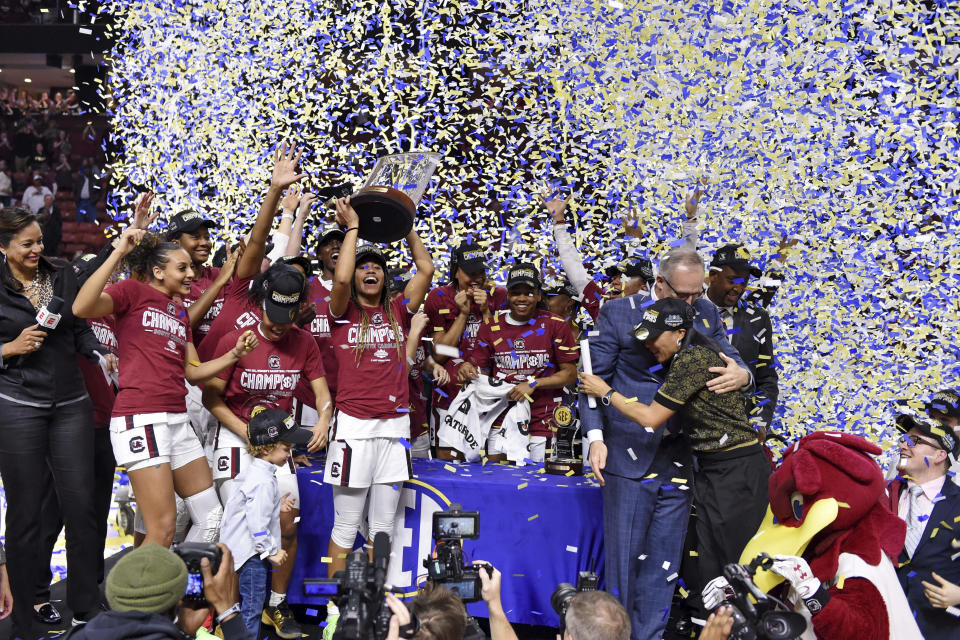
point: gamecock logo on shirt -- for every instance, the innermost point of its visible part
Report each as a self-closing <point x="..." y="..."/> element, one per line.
<point x="136" y="444"/>
<point x="519" y="344"/>
<point x="172" y="310"/>
<point x="223" y="463"/>
<point x="377" y="318"/>
<point x="274" y="361"/>
<point x="335" y="470"/>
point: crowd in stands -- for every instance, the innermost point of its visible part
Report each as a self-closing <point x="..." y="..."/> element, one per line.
<point x="52" y="163"/>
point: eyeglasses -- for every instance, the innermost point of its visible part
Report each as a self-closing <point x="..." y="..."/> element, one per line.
<point x="912" y="441"/>
<point x="683" y="295"/>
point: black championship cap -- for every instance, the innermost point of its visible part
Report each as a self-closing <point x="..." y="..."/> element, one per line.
<point x="270" y="426"/>
<point x="736" y="257"/>
<point x="639" y="268"/>
<point x="666" y="314"/>
<point x="328" y="233"/>
<point x="563" y="289"/>
<point x="940" y="433"/>
<point x="523" y="273"/>
<point x="470" y="258"/>
<point x="613" y="271"/>
<point x="285" y="286"/>
<point x="186" y="222"/>
<point x="367" y="252"/>
<point x="947" y="402"/>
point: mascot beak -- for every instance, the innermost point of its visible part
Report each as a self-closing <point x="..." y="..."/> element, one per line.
<point x="775" y="539"/>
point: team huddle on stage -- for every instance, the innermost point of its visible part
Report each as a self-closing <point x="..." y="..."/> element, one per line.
<point x="191" y="355"/>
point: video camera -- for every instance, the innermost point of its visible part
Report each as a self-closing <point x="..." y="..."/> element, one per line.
<point x="768" y="619"/>
<point x="358" y="591"/>
<point x="565" y="592"/>
<point x="446" y="568"/>
<point x="192" y="553"/>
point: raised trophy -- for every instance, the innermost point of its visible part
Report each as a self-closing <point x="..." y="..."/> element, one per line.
<point x="387" y="202"/>
<point x="565" y="447"/>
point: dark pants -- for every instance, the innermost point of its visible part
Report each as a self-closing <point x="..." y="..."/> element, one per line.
<point x="104" y="467"/>
<point x="644" y="521"/>
<point x="63" y="436"/>
<point x="730" y="493"/>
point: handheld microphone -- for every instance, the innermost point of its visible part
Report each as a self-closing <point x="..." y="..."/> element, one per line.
<point x="49" y="317"/>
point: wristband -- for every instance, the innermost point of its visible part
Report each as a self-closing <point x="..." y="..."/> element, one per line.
<point x="287" y="217"/>
<point x="817" y="601"/>
<point x="235" y="608"/>
<point x="357" y="229"/>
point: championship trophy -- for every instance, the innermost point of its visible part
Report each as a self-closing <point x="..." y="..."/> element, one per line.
<point x="566" y="450"/>
<point x="387" y="202"/>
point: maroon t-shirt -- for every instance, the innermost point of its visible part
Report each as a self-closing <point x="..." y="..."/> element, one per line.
<point x="236" y="313"/>
<point x="373" y="386"/>
<point x="442" y="311"/>
<point x="102" y="393"/>
<point x="198" y="287"/>
<point x="152" y="333"/>
<point x="418" y="398"/>
<point x="269" y="374"/>
<point x="513" y="353"/>
<point x="319" y="296"/>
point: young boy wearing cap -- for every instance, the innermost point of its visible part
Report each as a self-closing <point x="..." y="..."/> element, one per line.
<point x="251" y="525"/>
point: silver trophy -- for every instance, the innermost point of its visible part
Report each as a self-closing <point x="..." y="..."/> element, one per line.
<point x="387" y="202"/>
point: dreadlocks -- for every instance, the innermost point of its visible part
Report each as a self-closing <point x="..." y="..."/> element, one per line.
<point x="365" y="323"/>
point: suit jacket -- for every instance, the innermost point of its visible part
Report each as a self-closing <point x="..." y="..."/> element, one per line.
<point x="618" y="358"/>
<point x="932" y="554"/>
<point x="752" y="337"/>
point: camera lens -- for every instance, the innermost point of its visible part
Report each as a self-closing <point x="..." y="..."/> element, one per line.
<point x="561" y="597"/>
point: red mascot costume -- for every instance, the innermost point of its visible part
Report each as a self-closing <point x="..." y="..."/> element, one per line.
<point x="834" y="541"/>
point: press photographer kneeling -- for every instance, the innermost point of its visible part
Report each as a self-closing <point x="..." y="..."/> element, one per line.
<point x="153" y="594"/>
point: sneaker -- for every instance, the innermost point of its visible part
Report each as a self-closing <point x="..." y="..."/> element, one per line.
<point x="281" y="619"/>
<point x="47" y="614"/>
<point x="82" y="618"/>
<point x="331" y="627"/>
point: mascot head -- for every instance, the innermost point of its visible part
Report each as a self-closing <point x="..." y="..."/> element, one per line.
<point x="825" y="487"/>
<point x="826" y="465"/>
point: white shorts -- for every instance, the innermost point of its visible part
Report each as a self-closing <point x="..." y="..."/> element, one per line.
<point x="420" y="447"/>
<point x="359" y="463"/>
<point x="536" y="445"/>
<point x="202" y="421"/>
<point x="149" y="439"/>
<point x="231" y="457"/>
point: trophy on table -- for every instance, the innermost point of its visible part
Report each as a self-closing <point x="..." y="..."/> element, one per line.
<point x="387" y="202"/>
<point x="566" y="451"/>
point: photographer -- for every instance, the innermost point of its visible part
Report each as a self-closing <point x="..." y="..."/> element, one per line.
<point x="442" y="615"/>
<point x="595" y="615"/>
<point x="145" y="591"/>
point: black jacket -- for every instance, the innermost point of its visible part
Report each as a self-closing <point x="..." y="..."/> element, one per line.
<point x="753" y="337"/>
<point x="139" y="625"/>
<point x="48" y="376"/>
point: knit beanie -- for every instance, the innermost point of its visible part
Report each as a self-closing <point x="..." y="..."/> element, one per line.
<point x="150" y="578"/>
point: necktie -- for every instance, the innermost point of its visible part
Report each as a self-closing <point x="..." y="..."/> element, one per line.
<point x="915" y="526"/>
<point x="727" y="318"/>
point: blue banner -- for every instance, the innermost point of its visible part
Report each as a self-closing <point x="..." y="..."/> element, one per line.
<point x="537" y="529"/>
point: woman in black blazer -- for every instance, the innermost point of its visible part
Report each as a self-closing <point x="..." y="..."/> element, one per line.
<point x="47" y="418"/>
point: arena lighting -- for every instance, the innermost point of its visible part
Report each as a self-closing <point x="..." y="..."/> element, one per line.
<point x="27" y="80"/>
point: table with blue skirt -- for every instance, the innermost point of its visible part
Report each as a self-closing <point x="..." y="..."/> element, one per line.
<point x="538" y="529"/>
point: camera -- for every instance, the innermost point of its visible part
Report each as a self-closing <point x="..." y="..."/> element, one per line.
<point x="565" y="592"/>
<point x="767" y="618"/>
<point x="192" y="553"/>
<point x="446" y="567"/>
<point x="358" y="592"/>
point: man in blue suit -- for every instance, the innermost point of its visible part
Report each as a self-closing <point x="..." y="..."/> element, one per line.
<point x="930" y="504"/>
<point x="646" y="475"/>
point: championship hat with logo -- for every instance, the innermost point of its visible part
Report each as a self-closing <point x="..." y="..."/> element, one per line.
<point x="284" y="288"/>
<point x="270" y="426"/>
<point x="666" y="314"/>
